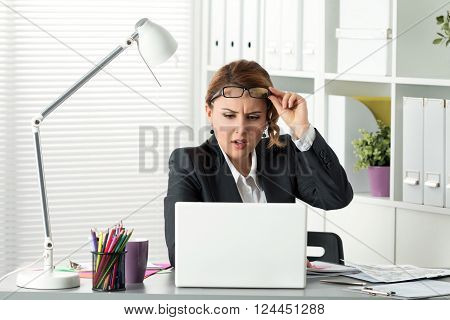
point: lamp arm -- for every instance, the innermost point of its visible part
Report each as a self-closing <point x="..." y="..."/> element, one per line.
<point x="37" y="121"/>
<point x="103" y="63"/>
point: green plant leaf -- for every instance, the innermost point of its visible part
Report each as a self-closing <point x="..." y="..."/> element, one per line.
<point x="447" y="43"/>
<point x="437" y="41"/>
<point x="440" y="19"/>
<point x="441" y="35"/>
<point x="373" y="148"/>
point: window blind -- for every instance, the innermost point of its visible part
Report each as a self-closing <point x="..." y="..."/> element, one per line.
<point x="106" y="148"/>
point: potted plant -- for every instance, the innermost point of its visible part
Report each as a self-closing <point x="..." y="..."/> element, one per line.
<point x="373" y="150"/>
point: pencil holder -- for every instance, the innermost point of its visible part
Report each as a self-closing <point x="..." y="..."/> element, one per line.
<point x="108" y="271"/>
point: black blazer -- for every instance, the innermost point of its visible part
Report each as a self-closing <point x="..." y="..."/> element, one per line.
<point x="201" y="174"/>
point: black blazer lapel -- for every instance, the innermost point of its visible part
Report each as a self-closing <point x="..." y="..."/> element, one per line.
<point x="271" y="179"/>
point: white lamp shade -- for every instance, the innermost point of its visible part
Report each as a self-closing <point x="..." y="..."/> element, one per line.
<point x="155" y="43"/>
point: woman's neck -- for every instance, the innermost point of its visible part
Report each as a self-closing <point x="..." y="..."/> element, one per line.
<point x="243" y="165"/>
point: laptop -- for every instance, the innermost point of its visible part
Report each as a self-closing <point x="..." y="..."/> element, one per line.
<point x="240" y="245"/>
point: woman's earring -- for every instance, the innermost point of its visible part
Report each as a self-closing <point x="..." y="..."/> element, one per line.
<point x="264" y="133"/>
<point x="211" y="131"/>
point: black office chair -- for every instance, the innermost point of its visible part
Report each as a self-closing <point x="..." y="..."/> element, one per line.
<point x="330" y="242"/>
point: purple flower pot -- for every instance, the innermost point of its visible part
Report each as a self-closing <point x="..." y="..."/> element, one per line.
<point x="379" y="181"/>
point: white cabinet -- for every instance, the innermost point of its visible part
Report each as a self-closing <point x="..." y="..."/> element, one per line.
<point x="423" y="239"/>
<point x="367" y="232"/>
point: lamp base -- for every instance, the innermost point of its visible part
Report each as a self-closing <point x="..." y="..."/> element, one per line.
<point x="49" y="279"/>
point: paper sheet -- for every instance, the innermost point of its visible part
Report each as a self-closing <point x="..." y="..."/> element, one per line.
<point x="329" y="268"/>
<point x="397" y="273"/>
<point x="362" y="276"/>
<point x="413" y="289"/>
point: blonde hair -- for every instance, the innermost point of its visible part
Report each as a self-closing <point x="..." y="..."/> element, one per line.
<point x="247" y="74"/>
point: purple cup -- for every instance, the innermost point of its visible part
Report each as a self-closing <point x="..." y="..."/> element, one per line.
<point x="136" y="260"/>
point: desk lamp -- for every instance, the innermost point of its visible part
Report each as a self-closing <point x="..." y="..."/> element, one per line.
<point x="155" y="45"/>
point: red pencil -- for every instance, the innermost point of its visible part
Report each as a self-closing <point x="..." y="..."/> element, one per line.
<point x="110" y="238"/>
<point x="114" y="271"/>
<point x="116" y="239"/>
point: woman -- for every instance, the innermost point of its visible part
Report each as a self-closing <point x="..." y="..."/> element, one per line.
<point x="238" y="163"/>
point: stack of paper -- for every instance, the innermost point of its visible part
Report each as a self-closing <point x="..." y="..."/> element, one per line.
<point x="395" y="273"/>
<point x="329" y="269"/>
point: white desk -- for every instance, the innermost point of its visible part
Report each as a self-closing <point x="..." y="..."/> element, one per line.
<point x="161" y="287"/>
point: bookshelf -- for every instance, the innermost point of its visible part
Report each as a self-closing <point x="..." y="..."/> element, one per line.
<point x="417" y="68"/>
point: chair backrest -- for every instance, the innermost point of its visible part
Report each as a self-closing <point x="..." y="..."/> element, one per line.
<point x="330" y="242"/>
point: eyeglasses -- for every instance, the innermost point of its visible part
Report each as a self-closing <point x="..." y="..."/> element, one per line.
<point x="237" y="92"/>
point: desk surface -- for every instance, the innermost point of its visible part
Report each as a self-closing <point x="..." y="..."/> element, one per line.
<point x="162" y="287"/>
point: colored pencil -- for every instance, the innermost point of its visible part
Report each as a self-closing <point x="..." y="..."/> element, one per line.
<point x="111" y="245"/>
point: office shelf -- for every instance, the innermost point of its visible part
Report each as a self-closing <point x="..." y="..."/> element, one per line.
<point x="386" y="202"/>
<point x="423" y="81"/>
<point x="357" y="78"/>
<point x="418" y="68"/>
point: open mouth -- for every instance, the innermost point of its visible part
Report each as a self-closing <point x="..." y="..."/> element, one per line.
<point x="239" y="143"/>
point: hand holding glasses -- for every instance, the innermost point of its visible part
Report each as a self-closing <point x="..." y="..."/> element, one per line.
<point x="292" y="109"/>
<point x="290" y="106"/>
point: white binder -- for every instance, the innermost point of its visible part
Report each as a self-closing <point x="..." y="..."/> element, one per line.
<point x="291" y="34"/>
<point x="272" y="31"/>
<point x="250" y="21"/>
<point x="310" y="18"/>
<point x="217" y="33"/>
<point x="434" y="152"/>
<point x="413" y="150"/>
<point x="447" y="153"/>
<point x="233" y="41"/>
